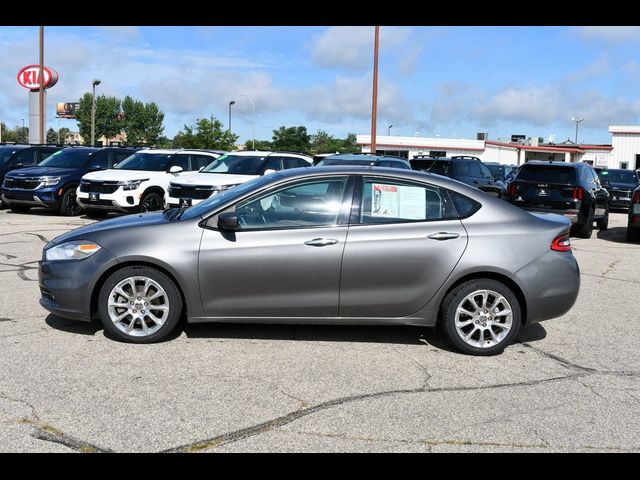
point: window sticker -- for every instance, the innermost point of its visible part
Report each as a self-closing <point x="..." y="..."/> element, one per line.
<point x="397" y="201"/>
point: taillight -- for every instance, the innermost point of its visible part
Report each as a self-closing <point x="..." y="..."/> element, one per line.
<point x="562" y="243"/>
<point x="511" y="189"/>
<point x="578" y="193"/>
<point x="636" y="197"/>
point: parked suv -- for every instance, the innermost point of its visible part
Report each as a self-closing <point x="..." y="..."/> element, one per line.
<point x="13" y="157"/>
<point x="633" y="225"/>
<point x="569" y="189"/>
<point x="469" y="170"/>
<point x="228" y="171"/>
<point x="139" y="183"/>
<point x="53" y="182"/>
<point x="620" y="184"/>
<point x="500" y="171"/>
<point x="364" y="160"/>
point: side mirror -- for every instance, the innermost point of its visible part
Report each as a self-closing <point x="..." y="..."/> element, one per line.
<point x="268" y="171"/>
<point x="228" y="221"/>
<point x="175" y="169"/>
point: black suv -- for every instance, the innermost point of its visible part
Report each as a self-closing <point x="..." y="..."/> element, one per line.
<point x="469" y="170"/>
<point x="569" y="189"/>
<point x="620" y="184"/>
<point x="15" y="156"/>
<point x="53" y="182"/>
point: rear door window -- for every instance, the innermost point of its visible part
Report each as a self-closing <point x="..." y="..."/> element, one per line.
<point x="199" y="161"/>
<point x="181" y="160"/>
<point x="25" y="157"/>
<point x="547" y="174"/>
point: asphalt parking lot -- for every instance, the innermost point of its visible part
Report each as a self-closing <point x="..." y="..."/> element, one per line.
<point x="570" y="384"/>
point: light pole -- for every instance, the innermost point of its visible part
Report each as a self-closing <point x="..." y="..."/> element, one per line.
<point x="389" y="130"/>
<point x="232" y="102"/>
<point x="22" y="133"/>
<point x="93" y="112"/>
<point x="253" y="106"/>
<point x="577" y="123"/>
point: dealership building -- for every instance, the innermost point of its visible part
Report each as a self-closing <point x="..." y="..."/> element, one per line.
<point x="623" y="152"/>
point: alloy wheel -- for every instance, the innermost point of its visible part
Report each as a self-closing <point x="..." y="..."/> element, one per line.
<point x="483" y="318"/>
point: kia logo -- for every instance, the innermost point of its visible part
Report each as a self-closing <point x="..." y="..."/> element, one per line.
<point x="28" y="77"/>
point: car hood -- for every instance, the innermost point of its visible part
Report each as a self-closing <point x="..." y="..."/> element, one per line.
<point x="43" y="171"/>
<point x="212" y="179"/>
<point x="128" y="221"/>
<point x="123" y="175"/>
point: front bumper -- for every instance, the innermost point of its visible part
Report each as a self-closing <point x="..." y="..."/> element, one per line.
<point x="66" y="286"/>
<point x="173" y="202"/>
<point x="550" y="285"/>
<point x="119" y="201"/>
<point x="31" y="198"/>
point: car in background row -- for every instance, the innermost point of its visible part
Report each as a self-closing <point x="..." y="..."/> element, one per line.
<point x="569" y="189"/>
<point x="15" y="156"/>
<point x="501" y="172"/>
<point x="469" y="170"/>
<point x="139" y="183"/>
<point x="53" y="182"/>
<point x="228" y="171"/>
<point x="334" y="245"/>
<point x="633" y="223"/>
<point x="620" y="184"/>
<point x="364" y="159"/>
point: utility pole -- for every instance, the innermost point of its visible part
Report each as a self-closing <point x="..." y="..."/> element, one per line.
<point x="374" y="101"/>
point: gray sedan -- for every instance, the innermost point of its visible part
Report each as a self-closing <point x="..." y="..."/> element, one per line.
<point x="341" y="245"/>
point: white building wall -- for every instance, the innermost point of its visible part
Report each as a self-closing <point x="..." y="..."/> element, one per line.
<point x="625" y="148"/>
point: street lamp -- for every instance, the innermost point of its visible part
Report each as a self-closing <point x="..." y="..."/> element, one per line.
<point x="232" y="102"/>
<point x="577" y="123"/>
<point x="93" y="112"/>
<point x="389" y="130"/>
<point x="253" y="107"/>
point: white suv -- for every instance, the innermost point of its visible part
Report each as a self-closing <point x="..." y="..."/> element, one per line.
<point x="228" y="171"/>
<point x="139" y="182"/>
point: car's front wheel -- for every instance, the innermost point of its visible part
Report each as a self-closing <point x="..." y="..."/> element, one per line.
<point x="481" y="316"/>
<point x="152" y="202"/>
<point x="139" y="304"/>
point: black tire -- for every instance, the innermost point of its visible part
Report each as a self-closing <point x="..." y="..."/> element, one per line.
<point x="633" y="234"/>
<point x="173" y="296"/>
<point x="586" y="229"/>
<point x="19" y="209"/>
<point x="456" y="298"/>
<point x="93" y="213"/>
<point x="603" y="223"/>
<point x="152" y="202"/>
<point x="69" y="204"/>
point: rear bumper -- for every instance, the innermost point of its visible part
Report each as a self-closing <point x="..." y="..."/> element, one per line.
<point x="550" y="285"/>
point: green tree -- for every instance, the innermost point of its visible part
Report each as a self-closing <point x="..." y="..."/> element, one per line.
<point x="153" y="127"/>
<point x="293" y="138"/>
<point x="208" y="133"/>
<point x="349" y="144"/>
<point x="7" y="134"/>
<point x="259" y="144"/>
<point x="22" y="134"/>
<point x="52" y="136"/>
<point x="142" y="122"/>
<point x="108" y="121"/>
<point x="63" y="133"/>
<point x="323" y="142"/>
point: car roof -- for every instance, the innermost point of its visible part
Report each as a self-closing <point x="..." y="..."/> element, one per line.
<point x="556" y="164"/>
<point x="363" y="157"/>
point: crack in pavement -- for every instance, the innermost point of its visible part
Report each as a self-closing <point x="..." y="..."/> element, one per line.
<point x="427" y="375"/>
<point x="41" y="237"/>
<point x="609" y="278"/>
<point x="48" y="433"/>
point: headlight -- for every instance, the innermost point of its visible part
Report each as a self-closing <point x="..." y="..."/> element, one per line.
<point x="131" y="184"/>
<point x="76" y="250"/>
<point x="222" y="188"/>
<point x="49" y="181"/>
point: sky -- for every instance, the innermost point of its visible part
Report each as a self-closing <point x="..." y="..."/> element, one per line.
<point x="450" y="82"/>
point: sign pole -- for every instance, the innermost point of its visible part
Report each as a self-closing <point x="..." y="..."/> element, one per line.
<point x="374" y="101"/>
<point x="41" y="137"/>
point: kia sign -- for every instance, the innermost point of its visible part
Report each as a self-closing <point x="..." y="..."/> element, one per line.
<point x="66" y="110"/>
<point x="28" y="77"/>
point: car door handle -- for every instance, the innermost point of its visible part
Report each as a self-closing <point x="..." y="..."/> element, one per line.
<point x="321" y="242"/>
<point x="443" y="236"/>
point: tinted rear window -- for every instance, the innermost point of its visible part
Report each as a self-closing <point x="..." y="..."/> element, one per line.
<point x="421" y="164"/>
<point x="441" y="168"/>
<point x="547" y="174"/>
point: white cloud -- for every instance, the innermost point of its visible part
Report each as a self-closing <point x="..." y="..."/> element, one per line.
<point x="352" y="47"/>
<point x="127" y="33"/>
<point x="613" y="34"/>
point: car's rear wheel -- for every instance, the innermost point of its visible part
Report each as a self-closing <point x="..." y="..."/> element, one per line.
<point x="481" y="317"/>
<point x="586" y="229"/>
<point x="151" y="202"/>
<point x="68" y="204"/>
<point x="139" y="305"/>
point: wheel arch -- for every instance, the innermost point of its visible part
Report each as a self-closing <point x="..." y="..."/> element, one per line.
<point x="513" y="286"/>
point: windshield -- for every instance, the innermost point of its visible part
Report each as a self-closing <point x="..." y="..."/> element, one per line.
<point x="216" y="200"/>
<point x="5" y="154"/>
<point x="496" y="171"/>
<point x="152" y="162"/>
<point x="68" y="158"/>
<point x="619" y="176"/>
<point x="235" y="164"/>
<point x="547" y="174"/>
